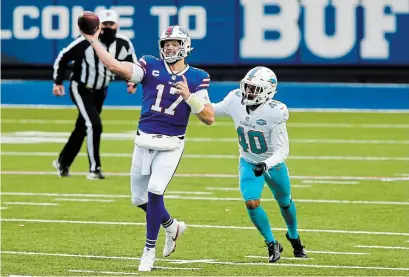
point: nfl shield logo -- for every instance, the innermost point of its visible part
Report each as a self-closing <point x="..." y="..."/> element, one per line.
<point x="173" y="77"/>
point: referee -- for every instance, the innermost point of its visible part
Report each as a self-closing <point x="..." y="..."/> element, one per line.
<point x="88" y="89"/>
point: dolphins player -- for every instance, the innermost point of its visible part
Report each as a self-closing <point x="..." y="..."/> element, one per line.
<point x="260" y="123"/>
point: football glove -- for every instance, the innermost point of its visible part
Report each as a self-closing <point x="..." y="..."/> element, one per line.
<point x="259" y="169"/>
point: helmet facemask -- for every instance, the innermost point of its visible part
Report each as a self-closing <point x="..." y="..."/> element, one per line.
<point x="172" y="53"/>
<point x="253" y="94"/>
<point x="258" y="86"/>
<point x="171" y="34"/>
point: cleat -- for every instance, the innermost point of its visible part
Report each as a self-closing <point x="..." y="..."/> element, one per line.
<point x="299" y="251"/>
<point x="62" y="171"/>
<point x="95" y="175"/>
<point x="172" y="233"/>
<point x="147" y="259"/>
<point x="274" y="252"/>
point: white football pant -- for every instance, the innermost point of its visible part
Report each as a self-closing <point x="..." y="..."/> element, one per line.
<point x="152" y="171"/>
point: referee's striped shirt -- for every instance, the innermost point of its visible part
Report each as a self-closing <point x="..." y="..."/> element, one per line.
<point x="88" y="69"/>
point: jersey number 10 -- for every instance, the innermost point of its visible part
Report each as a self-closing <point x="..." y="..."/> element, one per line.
<point x="252" y="136"/>
<point x="171" y="110"/>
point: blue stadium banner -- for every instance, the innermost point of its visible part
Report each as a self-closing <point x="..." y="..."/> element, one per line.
<point x="228" y="32"/>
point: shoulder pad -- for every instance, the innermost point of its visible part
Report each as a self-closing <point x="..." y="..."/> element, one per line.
<point x="279" y="111"/>
<point x="237" y="92"/>
<point x="147" y="60"/>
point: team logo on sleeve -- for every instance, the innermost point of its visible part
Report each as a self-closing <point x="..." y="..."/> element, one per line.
<point x="261" y="122"/>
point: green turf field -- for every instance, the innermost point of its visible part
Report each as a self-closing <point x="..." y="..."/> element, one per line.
<point x="350" y="183"/>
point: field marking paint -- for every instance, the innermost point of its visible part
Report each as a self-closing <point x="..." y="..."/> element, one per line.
<point x="205" y="198"/>
<point x="176" y="268"/>
<point x="220" y="262"/>
<point x="41" y="136"/>
<point x="132" y="108"/>
<point x="30" y="204"/>
<point x="238" y="189"/>
<point x="382" y="247"/>
<point x="205" y="156"/>
<point x="102" y="272"/>
<point x="295" y="200"/>
<point x="189" y="192"/>
<point x="135" y="122"/>
<point x="336" y="253"/>
<point x="199" y="175"/>
<point x="83" y="200"/>
<point x="281" y="258"/>
<point x="198" y="226"/>
<point x="4" y="208"/>
<point x="330" y="182"/>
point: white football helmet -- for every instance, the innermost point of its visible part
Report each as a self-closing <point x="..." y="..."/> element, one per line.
<point x="175" y="33"/>
<point x="259" y="85"/>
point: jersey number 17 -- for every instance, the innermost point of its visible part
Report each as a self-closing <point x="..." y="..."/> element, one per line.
<point x="171" y="110"/>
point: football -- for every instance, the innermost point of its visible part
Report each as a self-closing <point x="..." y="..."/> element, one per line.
<point x="88" y="22"/>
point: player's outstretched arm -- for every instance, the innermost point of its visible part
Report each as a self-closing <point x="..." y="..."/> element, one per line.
<point x="123" y="69"/>
<point x="207" y="114"/>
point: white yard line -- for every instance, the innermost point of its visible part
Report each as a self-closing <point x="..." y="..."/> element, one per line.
<point x="326" y="201"/>
<point x="30" y="203"/>
<point x="174" y="268"/>
<point x="336" y="253"/>
<point x="102" y="272"/>
<point x="198" y="226"/>
<point x="135" y="122"/>
<point x="198" y="175"/>
<point x="238" y="189"/>
<point x="189" y="192"/>
<point x="218" y="262"/>
<point x="382" y="247"/>
<point x="330" y="182"/>
<point x="49" y="137"/>
<point x="294" y="110"/>
<point x="205" y="156"/>
<point x="82" y="200"/>
<point x="206" y="198"/>
<point x="4" y="208"/>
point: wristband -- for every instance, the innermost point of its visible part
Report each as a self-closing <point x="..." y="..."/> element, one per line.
<point x="196" y="103"/>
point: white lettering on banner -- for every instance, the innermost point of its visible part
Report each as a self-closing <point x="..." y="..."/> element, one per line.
<point x="125" y="20"/>
<point x="374" y="45"/>
<point x="63" y="29"/>
<point x="164" y="13"/>
<point x="197" y="12"/>
<point x="75" y="13"/>
<point x="19" y="30"/>
<point x="253" y="44"/>
<point x="343" y="40"/>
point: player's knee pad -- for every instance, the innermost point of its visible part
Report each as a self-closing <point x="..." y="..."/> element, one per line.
<point x="284" y="202"/>
<point x="252" y="204"/>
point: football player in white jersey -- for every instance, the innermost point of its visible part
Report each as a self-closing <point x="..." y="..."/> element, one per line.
<point x="260" y="122"/>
